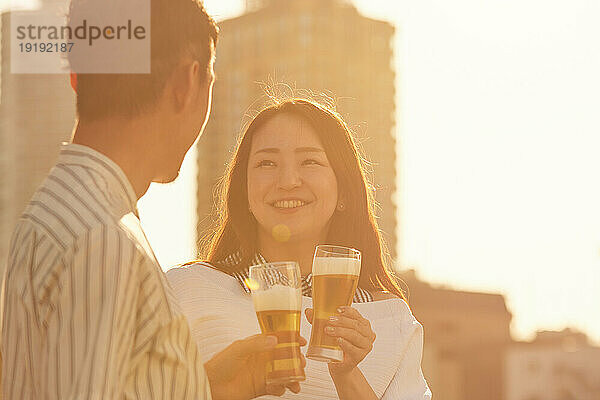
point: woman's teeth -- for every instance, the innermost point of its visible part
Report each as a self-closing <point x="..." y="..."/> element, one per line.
<point x="289" y="203"/>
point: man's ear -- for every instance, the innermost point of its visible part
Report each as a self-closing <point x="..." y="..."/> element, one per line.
<point x="185" y="82"/>
<point x="73" y="77"/>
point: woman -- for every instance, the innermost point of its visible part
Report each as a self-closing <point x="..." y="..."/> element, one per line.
<point x="296" y="181"/>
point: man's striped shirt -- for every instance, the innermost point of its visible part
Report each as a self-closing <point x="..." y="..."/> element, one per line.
<point x="87" y="311"/>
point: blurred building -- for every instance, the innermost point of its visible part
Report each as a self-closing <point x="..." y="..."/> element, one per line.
<point x="466" y="335"/>
<point x="554" y="366"/>
<point x="324" y="46"/>
<point x="36" y="115"/>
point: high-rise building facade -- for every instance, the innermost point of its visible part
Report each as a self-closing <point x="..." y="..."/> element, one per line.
<point x="554" y="366"/>
<point x="36" y="115"/>
<point x="466" y="335"/>
<point x="324" y="47"/>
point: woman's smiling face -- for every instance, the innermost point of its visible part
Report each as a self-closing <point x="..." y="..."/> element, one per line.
<point x="292" y="189"/>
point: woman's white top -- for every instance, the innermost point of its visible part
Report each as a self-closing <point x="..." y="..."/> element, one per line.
<point x="220" y="312"/>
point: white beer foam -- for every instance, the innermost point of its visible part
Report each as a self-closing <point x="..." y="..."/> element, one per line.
<point x="336" y="266"/>
<point x="278" y="297"/>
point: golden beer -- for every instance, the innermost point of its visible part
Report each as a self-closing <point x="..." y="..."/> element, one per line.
<point x="335" y="278"/>
<point x="329" y="293"/>
<point x="277" y="298"/>
<point x="285" y="363"/>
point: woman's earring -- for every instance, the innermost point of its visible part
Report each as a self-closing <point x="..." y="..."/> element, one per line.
<point x="341" y="206"/>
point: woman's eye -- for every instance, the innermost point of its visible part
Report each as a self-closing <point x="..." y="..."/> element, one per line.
<point x="265" y="163"/>
<point x="311" y="162"/>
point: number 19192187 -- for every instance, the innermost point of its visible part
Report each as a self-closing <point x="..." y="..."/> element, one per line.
<point x="48" y="47"/>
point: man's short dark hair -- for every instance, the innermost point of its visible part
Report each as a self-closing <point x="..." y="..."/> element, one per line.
<point x="178" y="28"/>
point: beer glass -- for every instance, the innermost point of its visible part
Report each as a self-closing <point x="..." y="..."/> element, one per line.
<point x="277" y="296"/>
<point x="335" y="273"/>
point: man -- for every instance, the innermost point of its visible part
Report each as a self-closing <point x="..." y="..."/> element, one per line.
<point x="87" y="312"/>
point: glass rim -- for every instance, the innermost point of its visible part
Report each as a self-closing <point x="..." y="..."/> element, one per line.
<point x="293" y="264"/>
<point x="349" y="251"/>
<point x="257" y="272"/>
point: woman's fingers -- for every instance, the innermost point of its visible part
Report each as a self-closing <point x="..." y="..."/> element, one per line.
<point x="352" y="352"/>
<point x="279" y="390"/>
<point x="353" y="313"/>
<point x="349" y="325"/>
<point x="294" y="387"/>
<point x="351" y="336"/>
<point x="309" y="314"/>
<point x="361" y="326"/>
<point x="275" y="390"/>
<point x="302" y="341"/>
<point x="350" y="318"/>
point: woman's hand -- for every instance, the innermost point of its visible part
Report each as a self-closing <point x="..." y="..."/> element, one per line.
<point x="354" y="335"/>
<point x="238" y="372"/>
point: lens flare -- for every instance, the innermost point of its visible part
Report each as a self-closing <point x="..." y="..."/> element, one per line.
<point x="281" y="233"/>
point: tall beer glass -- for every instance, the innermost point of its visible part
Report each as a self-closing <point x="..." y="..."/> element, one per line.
<point x="335" y="278"/>
<point x="277" y="296"/>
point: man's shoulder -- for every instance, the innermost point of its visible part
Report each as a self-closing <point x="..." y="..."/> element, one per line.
<point x="59" y="212"/>
<point x="40" y="224"/>
<point x="117" y="235"/>
<point x="40" y="257"/>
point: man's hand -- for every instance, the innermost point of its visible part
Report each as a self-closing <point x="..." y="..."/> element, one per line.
<point x="239" y="371"/>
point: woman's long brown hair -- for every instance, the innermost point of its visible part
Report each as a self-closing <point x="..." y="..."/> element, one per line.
<point x="355" y="226"/>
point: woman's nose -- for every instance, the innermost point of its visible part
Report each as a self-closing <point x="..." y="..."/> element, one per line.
<point x="289" y="178"/>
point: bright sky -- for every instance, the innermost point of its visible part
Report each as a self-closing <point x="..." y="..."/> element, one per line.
<point x="499" y="157"/>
